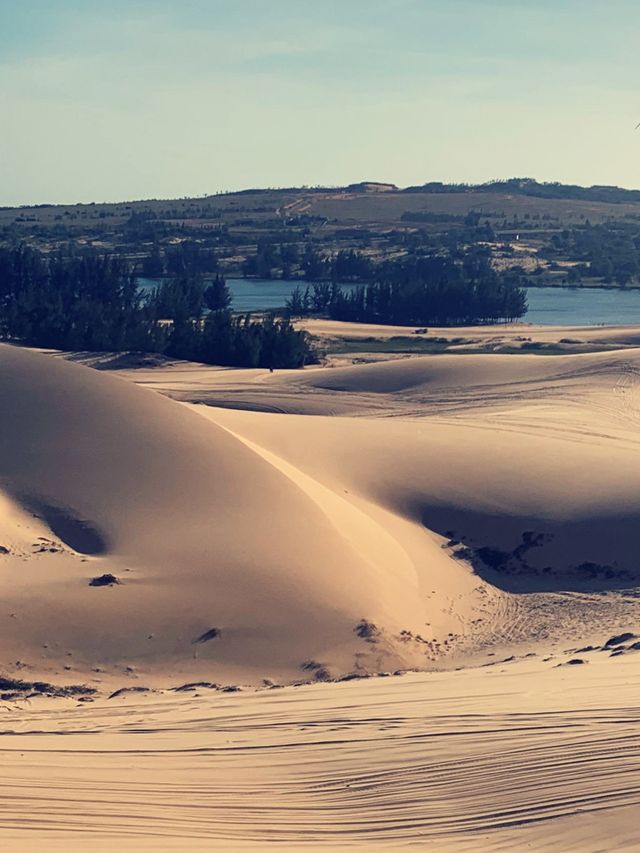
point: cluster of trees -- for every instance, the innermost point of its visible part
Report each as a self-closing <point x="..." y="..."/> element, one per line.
<point x="295" y="261"/>
<point x="422" y="290"/>
<point x="535" y="189"/>
<point x="240" y="341"/>
<point x="186" y="256"/>
<point x="91" y="302"/>
<point x="272" y="260"/>
<point x="346" y="265"/>
<point x="66" y="302"/>
<point x="610" y="251"/>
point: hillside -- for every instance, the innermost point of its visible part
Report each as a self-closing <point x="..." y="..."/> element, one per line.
<point x="538" y="229"/>
<point x="377" y="202"/>
<point x="364" y="203"/>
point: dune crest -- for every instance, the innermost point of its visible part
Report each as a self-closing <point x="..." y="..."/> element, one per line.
<point x="201" y="529"/>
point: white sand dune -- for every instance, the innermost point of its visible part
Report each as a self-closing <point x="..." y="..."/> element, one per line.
<point x="468" y="508"/>
<point x="487" y="450"/>
<point x="204" y="533"/>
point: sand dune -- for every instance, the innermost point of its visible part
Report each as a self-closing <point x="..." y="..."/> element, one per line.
<point x="503" y="333"/>
<point x="487" y="475"/>
<point x="475" y="516"/>
<point x="501" y="453"/>
<point x="492" y="371"/>
<point x="203" y="531"/>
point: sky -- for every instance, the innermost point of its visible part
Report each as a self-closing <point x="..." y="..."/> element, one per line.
<point x="130" y="99"/>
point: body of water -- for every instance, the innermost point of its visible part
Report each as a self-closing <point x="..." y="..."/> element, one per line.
<point x="250" y="294"/>
<point x="582" y="306"/>
<point x="553" y="306"/>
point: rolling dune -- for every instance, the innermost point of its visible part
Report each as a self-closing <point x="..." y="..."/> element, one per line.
<point x="531" y="461"/>
<point x="203" y="532"/>
<point x="474" y="516"/>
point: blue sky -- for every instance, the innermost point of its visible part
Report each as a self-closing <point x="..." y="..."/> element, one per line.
<point x="149" y="98"/>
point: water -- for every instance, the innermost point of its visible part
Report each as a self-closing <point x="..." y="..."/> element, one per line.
<point x="259" y="295"/>
<point x="552" y="306"/>
<point x="250" y="294"/>
<point x="581" y="306"/>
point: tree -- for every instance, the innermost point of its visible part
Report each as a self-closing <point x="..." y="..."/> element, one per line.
<point x="217" y="296"/>
<point x="298" y="303"/>
<point x="153" y="265"/>
<point x="91" y="302"/>
<point x="182" y="296"/>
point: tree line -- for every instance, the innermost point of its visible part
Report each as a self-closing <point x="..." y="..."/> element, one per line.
<point x="91" y="302"/>
<point x="610" y="251"/>
<point x="420" y="290"/>
<point x="536" y="189"/>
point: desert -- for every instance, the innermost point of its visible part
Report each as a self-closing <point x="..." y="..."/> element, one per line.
<point x="416" y="578"/>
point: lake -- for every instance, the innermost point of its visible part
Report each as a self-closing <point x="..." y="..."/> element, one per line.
<point x="553" y="306"/>
<point x="251" y="294"/>
<point x="581" y="306"/>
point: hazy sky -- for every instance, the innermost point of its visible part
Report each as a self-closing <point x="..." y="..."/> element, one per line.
<point x="149" y="98"/>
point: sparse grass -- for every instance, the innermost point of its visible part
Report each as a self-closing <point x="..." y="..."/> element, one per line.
<point x="398" y="344"/>
<point x="536" y="348"/>
<point x="408" y="345"/>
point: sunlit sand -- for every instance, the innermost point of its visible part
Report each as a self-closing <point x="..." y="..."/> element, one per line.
<point x="427" y="556"/>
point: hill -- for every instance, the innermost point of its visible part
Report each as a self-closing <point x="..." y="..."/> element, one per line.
<point x="367" y="201"/>
<point x="288" y="233"/>
<point x="535" y="189"/>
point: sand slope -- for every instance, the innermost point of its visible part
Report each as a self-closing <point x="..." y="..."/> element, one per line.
<point x="203" y="530"/>
<point x="477" y="479"/>
<point x="533" y="458"/>
<point x="523" y="755"/>
<point x="480" y="511"/>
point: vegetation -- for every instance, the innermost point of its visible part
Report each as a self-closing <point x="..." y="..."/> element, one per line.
<point x="535" y="189"/>
<point x="414" y="344"/>
<point x="431" y="254"/>
<point x="91" y="302"/>
<point x="298" y="233"/>
<point x="608" y="251"/>
<point x="424" y="289"/>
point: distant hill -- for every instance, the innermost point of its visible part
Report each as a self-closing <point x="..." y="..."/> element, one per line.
<point x="270" y="232"/>
<point x="531" y="187"/>
<point x="282" y="197"/>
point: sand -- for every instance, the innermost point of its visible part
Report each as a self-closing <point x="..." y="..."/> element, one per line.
<point x="473" y="517"/>
<point x="502" y="333"/>
<point x="524" y="755"/>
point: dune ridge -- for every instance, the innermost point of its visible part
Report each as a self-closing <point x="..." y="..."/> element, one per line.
<point x="475" y="516"/>
<point x="201" y="530"/>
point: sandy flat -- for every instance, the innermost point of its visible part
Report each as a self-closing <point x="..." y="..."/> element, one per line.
<point x="474" y="517"/>
<point x="524" y="755"/>
<point x="504" y="332"/>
